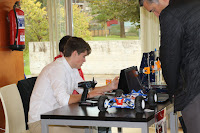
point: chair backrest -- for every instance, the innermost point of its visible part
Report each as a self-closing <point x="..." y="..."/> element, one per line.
<point x="25" y="88"/>
<point x="13" y="109"/>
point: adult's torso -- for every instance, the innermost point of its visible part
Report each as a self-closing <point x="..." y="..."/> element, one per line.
<point x="188" y="14"/>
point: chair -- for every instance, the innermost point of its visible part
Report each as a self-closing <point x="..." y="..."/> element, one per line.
<point x="13" y="109"/>
<point x="25" y="88"/>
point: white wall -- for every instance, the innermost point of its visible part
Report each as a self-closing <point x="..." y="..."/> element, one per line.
<point x="107" y="57"/>
<point x="39" y="56"/>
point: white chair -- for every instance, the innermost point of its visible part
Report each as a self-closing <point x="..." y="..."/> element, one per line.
<point x="13" y="109"/>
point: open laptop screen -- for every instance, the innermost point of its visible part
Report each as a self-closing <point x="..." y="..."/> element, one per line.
<point x="129" y="80"/>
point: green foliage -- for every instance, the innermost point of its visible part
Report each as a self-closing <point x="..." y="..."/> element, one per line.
<point x="122" y="10"/>
<point x="61" y="23"/>
<point x="95" y="27"/>
<point x="26" y="65"/>
<point x="36" y="26"/>
<point x="81" y="23"/>
<point x="36" y="22"/>
<point x="44" y="3"/>
<point x="115" y="30"/>
<point x="100" y="10"/>
<point x="133" y="31"/>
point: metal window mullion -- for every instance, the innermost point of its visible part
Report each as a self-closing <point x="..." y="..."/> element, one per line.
<point x="69" y="17"/>
<point x="50" y="18"/>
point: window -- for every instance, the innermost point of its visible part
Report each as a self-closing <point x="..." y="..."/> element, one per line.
<point x="113" y="36"/>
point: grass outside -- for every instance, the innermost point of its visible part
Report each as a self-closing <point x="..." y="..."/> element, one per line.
<point x="114" y="37"/>
<point x="99" y="38"/>
<point x="26" y="65"/>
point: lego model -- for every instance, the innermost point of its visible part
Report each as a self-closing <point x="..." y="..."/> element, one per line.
<point x="134" y="100"/>
<point x="150" y="72"/>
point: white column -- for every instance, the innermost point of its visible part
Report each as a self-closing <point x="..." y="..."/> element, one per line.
<point x="69" y="17"/>
<point x="150" y="27"/>
<point x="51" y="30"/>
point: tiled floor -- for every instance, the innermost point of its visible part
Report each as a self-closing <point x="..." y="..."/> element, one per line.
<point x="138" y="130"/>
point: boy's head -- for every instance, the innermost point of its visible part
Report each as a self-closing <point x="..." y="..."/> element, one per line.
<point x="62" y="43"/>
<point x="76" y="44"/>
<point x="76" y="49"/>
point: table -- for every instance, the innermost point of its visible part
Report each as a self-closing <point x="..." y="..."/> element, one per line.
<point x="75" y="115"/>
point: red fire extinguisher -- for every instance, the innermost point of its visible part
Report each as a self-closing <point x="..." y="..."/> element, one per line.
<point x="17" y="28"/>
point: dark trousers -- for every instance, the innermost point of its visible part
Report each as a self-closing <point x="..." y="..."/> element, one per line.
<point x="191" y="115"/>
<point x="104" y="129"/>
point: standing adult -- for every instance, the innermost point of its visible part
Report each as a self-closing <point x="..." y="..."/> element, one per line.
<point x="180" y="54"/>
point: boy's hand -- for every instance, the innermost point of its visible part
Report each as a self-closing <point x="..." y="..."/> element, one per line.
<point x="114" y="84"/>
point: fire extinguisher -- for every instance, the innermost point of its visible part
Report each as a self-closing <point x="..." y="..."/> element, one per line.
<point x="17" y="27"/>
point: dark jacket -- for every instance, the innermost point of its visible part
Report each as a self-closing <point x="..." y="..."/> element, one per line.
<point x="180" y="51"/>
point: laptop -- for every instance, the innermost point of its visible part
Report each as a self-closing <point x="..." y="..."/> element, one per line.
<point x="129" y="80"/>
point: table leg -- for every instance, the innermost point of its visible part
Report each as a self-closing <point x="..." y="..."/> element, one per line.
<point x="145" y="129"/>
<point x="173" y="122"/>
<point x="119" y="130"/>
<point x="45" y="127"/>
<point x="88" y="130"/>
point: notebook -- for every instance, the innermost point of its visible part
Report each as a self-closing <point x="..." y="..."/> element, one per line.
<point x="129" y="80"/>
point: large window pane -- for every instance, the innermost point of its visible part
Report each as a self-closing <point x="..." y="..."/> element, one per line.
<point x="36" y="26"/>
<point x="111" y="27"/>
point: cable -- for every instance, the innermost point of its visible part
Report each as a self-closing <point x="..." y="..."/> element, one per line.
<point x="16" y="19"/>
